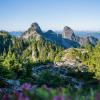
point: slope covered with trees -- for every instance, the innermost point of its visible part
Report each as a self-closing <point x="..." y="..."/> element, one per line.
<point x="36" y="59"/>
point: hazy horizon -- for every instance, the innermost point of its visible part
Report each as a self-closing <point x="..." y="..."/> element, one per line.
<point x="18" y="15"/>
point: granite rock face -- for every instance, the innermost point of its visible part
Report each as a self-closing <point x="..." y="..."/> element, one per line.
<point x="36" y="27"/>
<point x="68" y="33"/>
<point x="87" y="40"/>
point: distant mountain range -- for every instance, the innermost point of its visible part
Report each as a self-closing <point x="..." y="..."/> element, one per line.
<point x="16" y="33"/>
<point x="78" y="33"/>
<point x="95" y="34"/>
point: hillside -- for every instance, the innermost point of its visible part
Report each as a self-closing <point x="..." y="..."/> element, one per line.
<point x="47" y="58"/>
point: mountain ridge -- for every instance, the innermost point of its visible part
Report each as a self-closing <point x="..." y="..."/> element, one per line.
<point x="67" y="39"/>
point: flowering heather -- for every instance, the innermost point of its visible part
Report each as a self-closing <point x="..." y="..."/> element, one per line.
<point x="26" y="86"/>
<point x="45" y="93"/>
<point x="59" y="98"/>
<point x="97" y="97"/>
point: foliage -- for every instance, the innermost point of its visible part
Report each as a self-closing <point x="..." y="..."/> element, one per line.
<point x="93" y="60"/>
<point x="50" y="79"/>
<point x="19" y="56"/>
<point x="28" y="92"/>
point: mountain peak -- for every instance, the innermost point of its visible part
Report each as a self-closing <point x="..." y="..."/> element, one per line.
<point x="33" y="30"/>
<point x="50" y="31"/>
<point x="68" y="33"/>
<point x="67" y="28"/>
<point x="35" y="27"/>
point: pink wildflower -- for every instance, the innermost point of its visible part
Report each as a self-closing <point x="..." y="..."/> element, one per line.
<point x="0" y="90"/>
<point x="58" y="98"/>
<point x="45" y="87"/>
<point x="97" y="97"/>
<point x="21" y="97"/>
<point x="5" y="97"/>
<point x="26" y="86"/>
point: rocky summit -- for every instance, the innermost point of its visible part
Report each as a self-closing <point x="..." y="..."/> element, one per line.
<point x="68" y="33"/>
<point x="67" y="39"/>
<point x="34" y="30"/>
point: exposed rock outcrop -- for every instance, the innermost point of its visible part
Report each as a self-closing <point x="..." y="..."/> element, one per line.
<point x="70" y="58"/>
<point x="68" y="33"/>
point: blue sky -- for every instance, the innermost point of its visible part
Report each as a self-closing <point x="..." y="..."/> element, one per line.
<point x="50" y="14"/>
